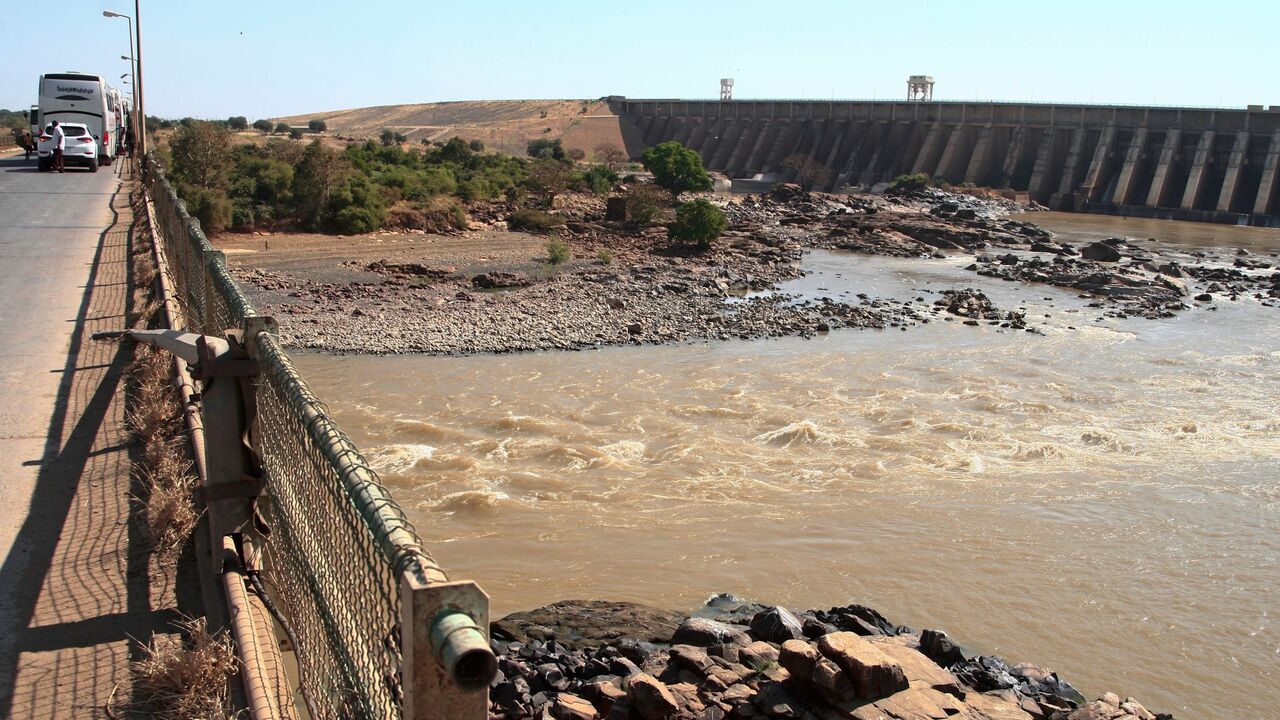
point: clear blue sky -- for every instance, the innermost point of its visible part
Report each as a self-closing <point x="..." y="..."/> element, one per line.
<point x="218" y="58"/>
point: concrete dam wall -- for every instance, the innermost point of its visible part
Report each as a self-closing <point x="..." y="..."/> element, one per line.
<point x="1187" y="163"/>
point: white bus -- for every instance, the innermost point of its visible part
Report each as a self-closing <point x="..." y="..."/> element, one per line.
<point x="81" y="98"/>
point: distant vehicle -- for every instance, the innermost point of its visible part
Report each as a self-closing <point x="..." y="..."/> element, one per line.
<point x="74" y="97"/>
<point x="81" y="147"/>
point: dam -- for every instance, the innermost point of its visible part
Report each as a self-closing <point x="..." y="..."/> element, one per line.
<point x="1208" y="164"/>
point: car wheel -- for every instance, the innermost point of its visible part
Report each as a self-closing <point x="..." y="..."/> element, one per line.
<point x="106" y="160"/>
<point x="44" y="164"/>
<point x="93" y="164"/>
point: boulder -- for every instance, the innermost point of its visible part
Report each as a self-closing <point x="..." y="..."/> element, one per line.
<point x="1100" y="251"/>
<point x="571" y="707"/>
<point x="940" y="648"/>
<point x="497" y="280"/>
<point x="798" y="657"/>
<point x="777" y="624"/>
<point x="873" y="673"/>
<point x="692" y="658"/>
<point x="758" y="655"/>
<point x="703" y="632"/>
<point x="650" y="698"/>
<point x="921" y="672"/>
<point x="829" y="681"/>
<point x="1173" y="284"/>
<point x="578" y="622"/>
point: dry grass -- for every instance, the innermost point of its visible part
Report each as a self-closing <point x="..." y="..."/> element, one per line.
<point x="165" y="476"/>
<point x="186" y="679"/>
<point x="165" y="472"/>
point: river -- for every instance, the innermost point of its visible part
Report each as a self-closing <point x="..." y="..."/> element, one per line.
<point x="1101" y="499"/>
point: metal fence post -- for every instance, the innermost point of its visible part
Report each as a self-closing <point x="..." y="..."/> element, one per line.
<point x="448" y="664"/>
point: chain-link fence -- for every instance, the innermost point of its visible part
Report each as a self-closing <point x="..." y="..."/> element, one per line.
<point x="339" y="546"/>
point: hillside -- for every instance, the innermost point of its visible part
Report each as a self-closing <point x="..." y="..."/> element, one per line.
<point x="506" y="125"/>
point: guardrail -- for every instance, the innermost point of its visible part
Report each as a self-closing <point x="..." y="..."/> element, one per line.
<point x="379" y="630"/>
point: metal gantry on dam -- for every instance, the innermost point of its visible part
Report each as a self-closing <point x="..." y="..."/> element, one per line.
<point x="1183" y="163"/>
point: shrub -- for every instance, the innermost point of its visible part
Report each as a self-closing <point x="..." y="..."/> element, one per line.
<point x="557" y="251"/>
<point x="698" y="223"/>
<point x="317" y="126"/>
<point x="210" y="206"/>
<point x="262" y="126"/>
<point x="238" y="122"/>
<point x="600" y="179"/>
<point x="910" y="183"/>
<point x="476" y="146"/>
<point x="296" y="134"/>
<point x="809" y="172"/>
<point x="549" y="177"/>
<point x="644" y="202"/>
<point x="241" y="215"/>
<point x="546" y="149"/>
<point x="610" y="156"/>
<point x="283" y="128"/>
<point x="532" y="220"/>
<point x="676" y="168"/>
<point x="605" y="256"/>
<point x="353" y="220"/>
<point x="576" y="154"/>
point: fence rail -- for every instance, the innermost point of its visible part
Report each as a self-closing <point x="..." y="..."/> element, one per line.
<point x="341" y="558"/>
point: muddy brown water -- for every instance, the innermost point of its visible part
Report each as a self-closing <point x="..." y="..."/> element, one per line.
<point x="1102" y="499"/>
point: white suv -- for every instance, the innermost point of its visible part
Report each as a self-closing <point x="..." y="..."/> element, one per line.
<point x="81" y="147"/>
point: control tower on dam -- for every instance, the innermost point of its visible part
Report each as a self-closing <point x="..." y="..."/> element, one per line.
<point x="1187" y="163"/>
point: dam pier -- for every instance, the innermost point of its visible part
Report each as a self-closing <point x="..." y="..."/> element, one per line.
<point x="1216" y="165"/>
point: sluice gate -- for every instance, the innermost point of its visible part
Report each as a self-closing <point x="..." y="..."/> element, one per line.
<point x="1218" y="165"/>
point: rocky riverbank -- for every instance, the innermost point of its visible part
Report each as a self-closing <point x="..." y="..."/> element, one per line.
<point x="492" y="290"/>
<point x="735" y="659"/>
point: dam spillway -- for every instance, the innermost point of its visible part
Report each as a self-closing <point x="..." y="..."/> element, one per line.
<point x="1217" y="165"/>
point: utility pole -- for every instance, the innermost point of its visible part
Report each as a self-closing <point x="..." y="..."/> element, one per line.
<point x="137" y="78"/>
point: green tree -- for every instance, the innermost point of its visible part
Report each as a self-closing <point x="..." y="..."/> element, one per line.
<point x="283" y="128"/>
<point x="263" y="126"/>
<point x="698" y="223"/>
<point x="317" y="126"/>
<point x="238" y="122"/>
<point x="295" y="133"/>
<point x="201" y="154"/>
<point x="544" y="149"/>
<point x="676" y="168"/>
<point x="387" y="137"/>
<point x="320" y="174"/>
<point x="476" y="146"/>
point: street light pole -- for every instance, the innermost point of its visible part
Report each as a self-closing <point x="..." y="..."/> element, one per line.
<point x="136" y="114"/>
<point x="137" y="78"/>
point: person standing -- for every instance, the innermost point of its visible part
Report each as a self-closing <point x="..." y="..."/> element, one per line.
<point x="59" y="144"/>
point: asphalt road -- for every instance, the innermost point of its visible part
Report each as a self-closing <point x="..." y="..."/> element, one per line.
<point x="50" y="225"/>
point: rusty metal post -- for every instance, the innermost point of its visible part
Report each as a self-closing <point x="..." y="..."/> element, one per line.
<point x="230" y="484"/>
<point x="448" y="663"/>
